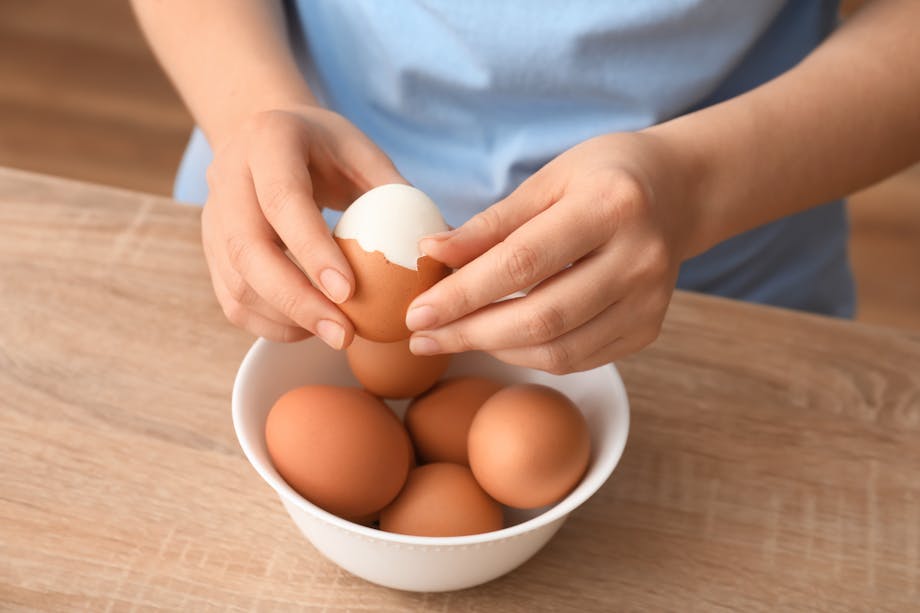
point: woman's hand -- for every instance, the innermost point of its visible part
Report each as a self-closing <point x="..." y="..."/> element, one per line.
<point x="267" y="184"/>
<point x="601" y="230"/>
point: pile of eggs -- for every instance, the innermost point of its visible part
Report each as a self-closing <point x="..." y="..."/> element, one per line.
<point x="466" y="446"/>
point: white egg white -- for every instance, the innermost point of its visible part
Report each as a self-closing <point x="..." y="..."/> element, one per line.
<point x="391" y="219"/>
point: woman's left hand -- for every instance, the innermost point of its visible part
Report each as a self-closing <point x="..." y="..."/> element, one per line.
<point x="599" y="233"/>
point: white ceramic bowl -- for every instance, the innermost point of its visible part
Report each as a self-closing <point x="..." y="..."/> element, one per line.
<point x="423" y="564"/>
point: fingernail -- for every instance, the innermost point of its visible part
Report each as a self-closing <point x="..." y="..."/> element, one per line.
<point x="422" y="345"/>
<point x="335" y="285"/>
<point x="421" y="317"/>
<point x="440" y="236"/>
<point x="331" y="332"/>
<point x="428" y="241"/>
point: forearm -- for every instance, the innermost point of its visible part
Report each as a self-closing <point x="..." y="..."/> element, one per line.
<point x="227" y="58"/>
<point x="845" y="117"/>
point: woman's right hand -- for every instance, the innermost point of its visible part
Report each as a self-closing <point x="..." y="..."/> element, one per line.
<point x="267" y="185"/>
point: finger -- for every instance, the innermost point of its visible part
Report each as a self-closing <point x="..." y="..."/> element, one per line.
<point x="240" y="291"/>
<point x="541" y="247"/>
<point x="560" y="304"/>
<point x="285" y="194"/>
<point x="484" y="230"/>
<point x="626" y="326"/>
<point x="250" y="248"/>
<point x="616" y="350"/>
<point x="244" y="317"/>
<point x="272" y="275"/>
<point x="563" y="353"/>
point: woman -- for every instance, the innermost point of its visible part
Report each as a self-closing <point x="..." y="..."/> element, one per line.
<point x="692" y="143"/>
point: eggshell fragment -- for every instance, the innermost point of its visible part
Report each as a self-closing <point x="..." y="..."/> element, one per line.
<point x="340" y="448"/>
<point x="439" y="421"/>
<point x="529" y="446"/>
<point x="441" y="499"/>
<point x="390" y="370"/>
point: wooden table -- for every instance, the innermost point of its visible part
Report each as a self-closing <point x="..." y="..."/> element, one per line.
<point x="773" y="463"/>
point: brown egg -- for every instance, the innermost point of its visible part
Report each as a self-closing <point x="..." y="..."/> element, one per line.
<point x="441" y="499"/>
<point x="384" y="290"/>
<point x="366" y="520"/>
<point x="390" y="370"/>
<point x="529" y="446"/>
<point x="339" y="447"/>
<point x="439" y="421"/>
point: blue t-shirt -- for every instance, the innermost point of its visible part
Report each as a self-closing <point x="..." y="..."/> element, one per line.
<point x="469" y="98"/>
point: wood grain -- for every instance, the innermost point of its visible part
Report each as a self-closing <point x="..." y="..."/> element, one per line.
<point x="772" y="464"/>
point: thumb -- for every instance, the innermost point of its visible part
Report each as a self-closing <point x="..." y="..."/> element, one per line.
<point x="490" y="227"/>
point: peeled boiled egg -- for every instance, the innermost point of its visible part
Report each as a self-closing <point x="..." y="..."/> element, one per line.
<point x="340" y="448"/>
<point x="379" y="235"/>
<point x="529" y="446"/>
<point x="390" y="370"/>
<point x="441" y="499"/>
<point x="439" y="421"/>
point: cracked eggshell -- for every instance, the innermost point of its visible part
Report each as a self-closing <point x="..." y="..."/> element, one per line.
<point x="379" y="234"/>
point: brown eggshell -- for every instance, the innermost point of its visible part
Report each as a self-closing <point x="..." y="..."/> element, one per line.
<point x="366" y="520"/>
<point x="340" y="448"/>
<point x="529" y="446"/>
<point x="384" y="290"/>
<point x="390" y="370"/>
<point x="439" y="421"/>
<point x="441" y="499"/>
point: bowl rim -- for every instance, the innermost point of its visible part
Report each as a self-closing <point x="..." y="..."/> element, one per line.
<point x="558" y="511"/>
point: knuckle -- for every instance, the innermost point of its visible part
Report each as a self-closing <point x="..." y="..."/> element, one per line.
<point x="522" y="265"/>
<point x="462" y="340"/>
<point x="212" y="176"/>
<point x="650" y="334"/>
<point x="488" y="222"/>
<point x="456" y="298"/>
<point x="462" y="303"/>
<point x="627" y="188"/>
<point x="235" y="312"/>
<point x="276" y="196"/>
<point x="240" y="291"/>
<point x="657" y="261"/>
<point x="288" y="303"/>
<point x="620" y="195"/>
<point x="661" y="300"/>
<point x="555" y="359"/>
<point x="545" y="324"/>
<point x="609" y="215"/>
<point x="313" y="250"/>
<point x="238" y="249"/>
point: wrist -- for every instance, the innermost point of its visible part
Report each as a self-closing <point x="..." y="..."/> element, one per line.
<point x="684" y="188"/>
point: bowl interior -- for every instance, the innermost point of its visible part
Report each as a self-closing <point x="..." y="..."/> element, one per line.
<point x="270" y="369"/>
